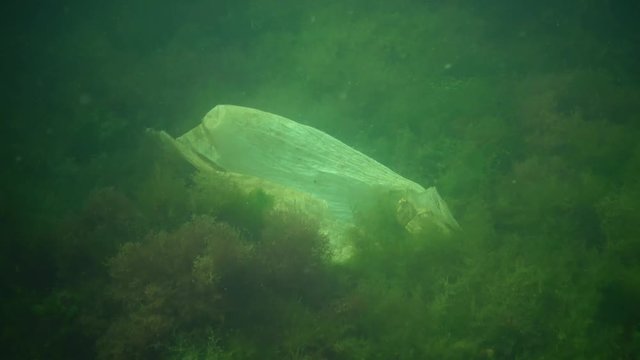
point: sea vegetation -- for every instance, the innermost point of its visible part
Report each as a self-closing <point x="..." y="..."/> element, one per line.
<point x="526" y="119"/>
<point x="208" y="279"/>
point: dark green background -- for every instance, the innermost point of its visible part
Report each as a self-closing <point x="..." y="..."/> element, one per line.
<point x="525" y="115"/>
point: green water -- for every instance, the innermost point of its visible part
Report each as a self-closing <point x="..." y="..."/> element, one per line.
<point x="526" y="118"/>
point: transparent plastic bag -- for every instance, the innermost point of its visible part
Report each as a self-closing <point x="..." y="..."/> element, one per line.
<point x="290" y="155"/>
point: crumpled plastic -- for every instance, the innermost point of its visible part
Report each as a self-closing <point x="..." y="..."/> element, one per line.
<point x="318" y="172"/>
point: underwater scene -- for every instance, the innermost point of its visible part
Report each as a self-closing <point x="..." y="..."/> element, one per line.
<point x="246" y="179"/>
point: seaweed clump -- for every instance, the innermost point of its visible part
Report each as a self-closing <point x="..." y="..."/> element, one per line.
<point x="169" y="281"/>
<point x="293" y="253"/>
<point x="207" y="277"/>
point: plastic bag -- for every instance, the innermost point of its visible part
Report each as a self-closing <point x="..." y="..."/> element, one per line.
<point x="273" y="149"/>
